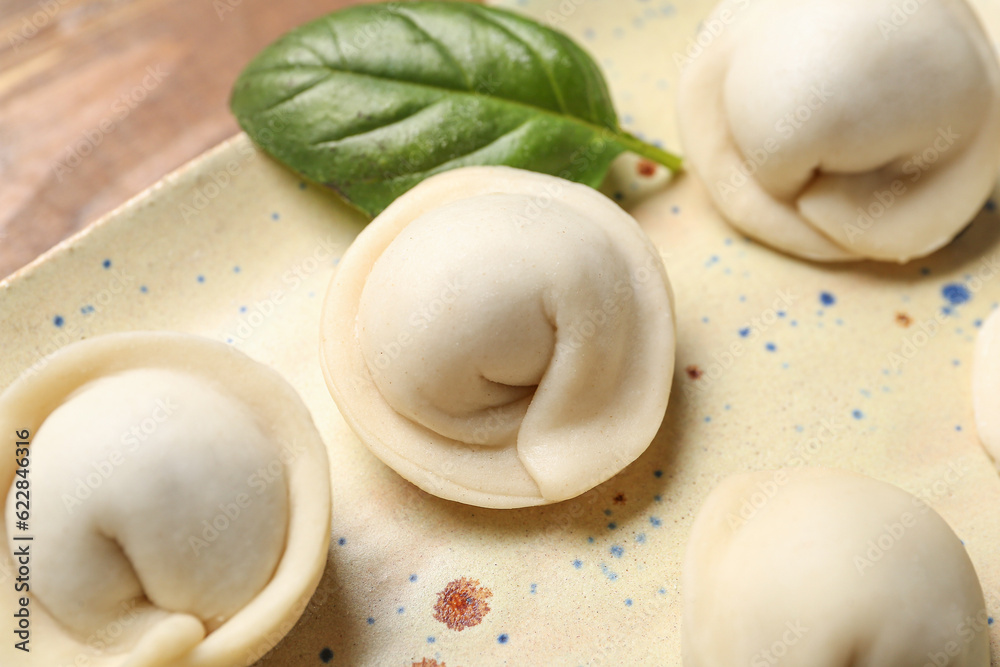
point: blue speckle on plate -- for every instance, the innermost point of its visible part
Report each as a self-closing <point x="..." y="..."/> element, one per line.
<point x="58" y="320"/>
<point x="371" y="621"/>
<point x="744" y="332"/>
<point x="503" y="639"/>
<point x="143" y="289"/>
<point x="628" y="602"/>
<point x="275" y="216"/>
<point x="106" y="264"/>
<point x="431" y="640"/>
<point x="771" y="347"/>
<point x="400" y="610"/>
<point x="956" y="293"/>
<point x="326" y="655"/>
<point x="201" y="279"/>
<point x="857" y="414"/>
<point x="578" y="563"/>
<point x="342" y="541"/>
<point x="656" y="523"/>
<point x="612" y="525"/>
<point x="617" y="551"/>
<point x="657" y="473"/>
<point x="827" y="299"/>
<point x="413" y="577"/>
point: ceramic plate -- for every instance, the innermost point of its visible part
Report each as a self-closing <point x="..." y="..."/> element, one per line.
<point x="780" y="362"/>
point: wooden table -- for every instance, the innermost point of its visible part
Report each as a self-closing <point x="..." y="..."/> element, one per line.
<point x="101" y="98"/>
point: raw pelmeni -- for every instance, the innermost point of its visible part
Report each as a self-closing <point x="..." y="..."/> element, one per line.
<point x="844" y="129"/>
<point x="827" y="568"/>
<point x="179" y="503"/>
<point x="986" y="385"/>
<point x="501" y="338"/>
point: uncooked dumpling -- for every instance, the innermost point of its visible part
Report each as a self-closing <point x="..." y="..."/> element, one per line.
<point x="844" y="129"/>
<point x="826" y="568"/>
<point x="986" y="385"/>
<point x="179" y="502"/>
<point x="501" y="338"/>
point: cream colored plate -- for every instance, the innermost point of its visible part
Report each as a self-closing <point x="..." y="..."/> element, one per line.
<point x="234" y="247"/>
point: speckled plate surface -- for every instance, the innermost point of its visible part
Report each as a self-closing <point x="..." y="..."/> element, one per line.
<point x="780" y="362"/>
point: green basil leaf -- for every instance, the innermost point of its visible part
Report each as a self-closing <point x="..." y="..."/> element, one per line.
<point x="372" y="99"/>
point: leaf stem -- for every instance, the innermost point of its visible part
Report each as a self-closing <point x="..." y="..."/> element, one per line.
<point x="633" y="143"/>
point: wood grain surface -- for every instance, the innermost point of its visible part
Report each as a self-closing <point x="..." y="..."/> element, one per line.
<point x="101" y="98"/>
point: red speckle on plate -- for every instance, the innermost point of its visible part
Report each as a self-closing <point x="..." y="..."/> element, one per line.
<point x="646" y="168"/>
<point x="694" y="372"/>
<point x="462" y="604"/>
<point x="903" y="320"/>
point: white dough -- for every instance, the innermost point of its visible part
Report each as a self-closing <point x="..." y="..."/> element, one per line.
<point x="986" y="385"/>
<point x="833" y="130"/>
<point x="826" y="568"/>
<point x="501" y="338"/>
<point x="180" y="503"/>
<point x="116" y="453"/>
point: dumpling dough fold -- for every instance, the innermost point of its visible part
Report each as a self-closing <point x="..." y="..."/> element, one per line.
<point x="510" y="336"/>
<point x="826" y="568"/>
<point x="180" y="503"/>
<point x="834" y="131"/>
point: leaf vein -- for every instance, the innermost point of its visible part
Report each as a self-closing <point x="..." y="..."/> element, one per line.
<point x="441" y="166"/>
<point x="298" y="91"/>
<point x="438" y="46"/>
<point x="355" y="135"/>
<point x="534" y="54"/>
<point x="567" y="116"/>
